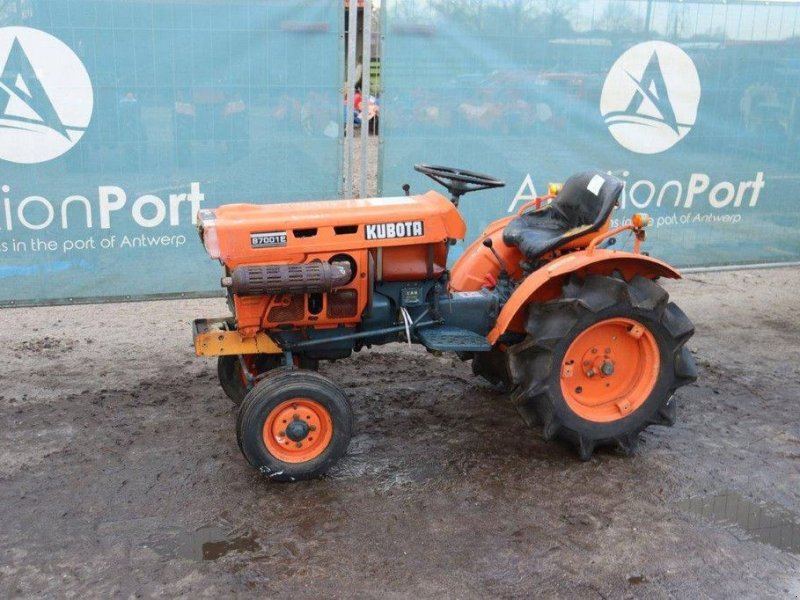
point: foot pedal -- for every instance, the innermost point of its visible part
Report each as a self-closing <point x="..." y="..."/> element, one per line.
<point x="453" y="339"/>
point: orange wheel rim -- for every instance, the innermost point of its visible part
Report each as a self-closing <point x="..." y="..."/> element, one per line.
<point x="610" y="369"/>
<point x="297" y="430"/>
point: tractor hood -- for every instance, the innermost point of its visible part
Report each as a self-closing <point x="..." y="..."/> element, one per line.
<point x="248" y="233"/>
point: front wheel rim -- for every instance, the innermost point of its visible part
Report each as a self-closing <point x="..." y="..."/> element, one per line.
<point x="297" y="430"/>
<point x="610" y="369"/>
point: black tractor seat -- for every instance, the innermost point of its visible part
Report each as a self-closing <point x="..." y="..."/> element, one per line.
<point x="581" y="207"/>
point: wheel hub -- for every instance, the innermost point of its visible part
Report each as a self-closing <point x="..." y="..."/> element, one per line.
<point x="609" y="369"/>
<point x="297" y="430"/>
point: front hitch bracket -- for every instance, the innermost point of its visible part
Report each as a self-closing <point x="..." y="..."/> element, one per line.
<point x="213" y="338"/>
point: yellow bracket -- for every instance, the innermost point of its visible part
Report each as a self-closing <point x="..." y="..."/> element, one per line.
<point x="212" y="338"/>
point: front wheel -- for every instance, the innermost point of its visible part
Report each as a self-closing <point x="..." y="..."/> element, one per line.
<point x="235" y="383"/>
<point x="232" y="377"/>
<point x="294" y="425"/>
<point x="602" y="362"/>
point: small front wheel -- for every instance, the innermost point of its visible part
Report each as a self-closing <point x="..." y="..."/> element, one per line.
<point x="232" y="378"/>
<point x="294" y="425"/>
<point x="235" y="383"/>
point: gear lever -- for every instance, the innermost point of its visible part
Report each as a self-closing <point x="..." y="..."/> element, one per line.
<point x="503" y="268"/>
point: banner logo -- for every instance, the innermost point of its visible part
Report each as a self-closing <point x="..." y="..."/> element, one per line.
<point x="650" y="97"/>
<point x="46" y="97"/>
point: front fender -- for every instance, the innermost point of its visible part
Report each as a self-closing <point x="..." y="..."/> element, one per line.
<point x="546" y="283"/>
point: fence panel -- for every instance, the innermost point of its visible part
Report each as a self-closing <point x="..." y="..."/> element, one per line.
<point x="118" y="120"/>
<point x="696" y="105"/>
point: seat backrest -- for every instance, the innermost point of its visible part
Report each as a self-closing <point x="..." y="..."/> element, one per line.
<point x="576" y="214"/>
<point x="587" y="199"/>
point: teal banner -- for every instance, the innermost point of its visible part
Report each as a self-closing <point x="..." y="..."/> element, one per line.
<point x="696" y="105"/>
<point x="119" y="120"/>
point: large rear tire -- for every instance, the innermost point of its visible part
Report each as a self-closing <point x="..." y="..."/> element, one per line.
<point x="492" y="367"/>
<point x="602" y="363"/>
<point x="294" y="425"/>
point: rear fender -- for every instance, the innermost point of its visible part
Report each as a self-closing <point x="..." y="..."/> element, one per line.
<point x="546" y="283"/>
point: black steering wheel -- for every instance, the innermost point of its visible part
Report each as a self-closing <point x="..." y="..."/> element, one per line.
<point x="459" y="181"/>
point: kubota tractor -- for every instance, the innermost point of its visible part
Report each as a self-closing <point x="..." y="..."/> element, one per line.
<point x="581" y="335"/>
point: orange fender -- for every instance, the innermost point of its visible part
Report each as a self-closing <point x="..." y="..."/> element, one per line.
<point x="546" y="283"/>
<point x="470" y="271"/>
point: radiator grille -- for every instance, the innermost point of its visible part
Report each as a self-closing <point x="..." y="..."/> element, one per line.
<point x="294" y="311"/>
<point x="342" y="304"/>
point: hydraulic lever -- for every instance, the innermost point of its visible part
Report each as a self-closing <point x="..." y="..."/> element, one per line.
<point x="503" y="267"/>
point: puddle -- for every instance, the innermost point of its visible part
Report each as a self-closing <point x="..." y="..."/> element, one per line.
<point x="207" y="543"/>
<point x="763" y="523"/>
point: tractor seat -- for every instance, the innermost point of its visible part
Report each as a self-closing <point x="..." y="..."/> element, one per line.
<point x="581" y="207"/>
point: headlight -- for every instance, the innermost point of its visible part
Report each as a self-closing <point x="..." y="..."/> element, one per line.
<point x="207" y="226"/>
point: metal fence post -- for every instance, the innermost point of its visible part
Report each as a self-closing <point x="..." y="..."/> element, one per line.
<point x="352" y="35"/>
<point x="366" y="76"/>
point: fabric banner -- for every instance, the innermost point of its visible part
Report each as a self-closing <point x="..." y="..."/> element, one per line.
<point x="119" y="120"/>
<point x="695" y="105"/>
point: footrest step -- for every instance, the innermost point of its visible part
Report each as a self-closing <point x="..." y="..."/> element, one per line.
<point x="453" y="339"/>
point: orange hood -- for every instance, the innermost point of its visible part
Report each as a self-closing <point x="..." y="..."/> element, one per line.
<point x="283" y="232"/>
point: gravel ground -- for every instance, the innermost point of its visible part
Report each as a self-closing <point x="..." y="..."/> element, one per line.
<point x="373" y="149"/>
<point x="120" y="474"/>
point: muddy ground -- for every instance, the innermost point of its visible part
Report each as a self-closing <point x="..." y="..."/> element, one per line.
<point x="120" y="475"/>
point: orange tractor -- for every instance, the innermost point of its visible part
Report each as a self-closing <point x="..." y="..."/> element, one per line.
<point x="580" y="334"/>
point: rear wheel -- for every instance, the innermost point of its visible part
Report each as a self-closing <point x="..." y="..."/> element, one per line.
<point x="294" y="425"/>
<point x="602" y="362"/>
<point x="492" y="367"/>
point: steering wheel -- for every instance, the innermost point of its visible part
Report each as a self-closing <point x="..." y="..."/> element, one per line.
<point x="459" y="181"/>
